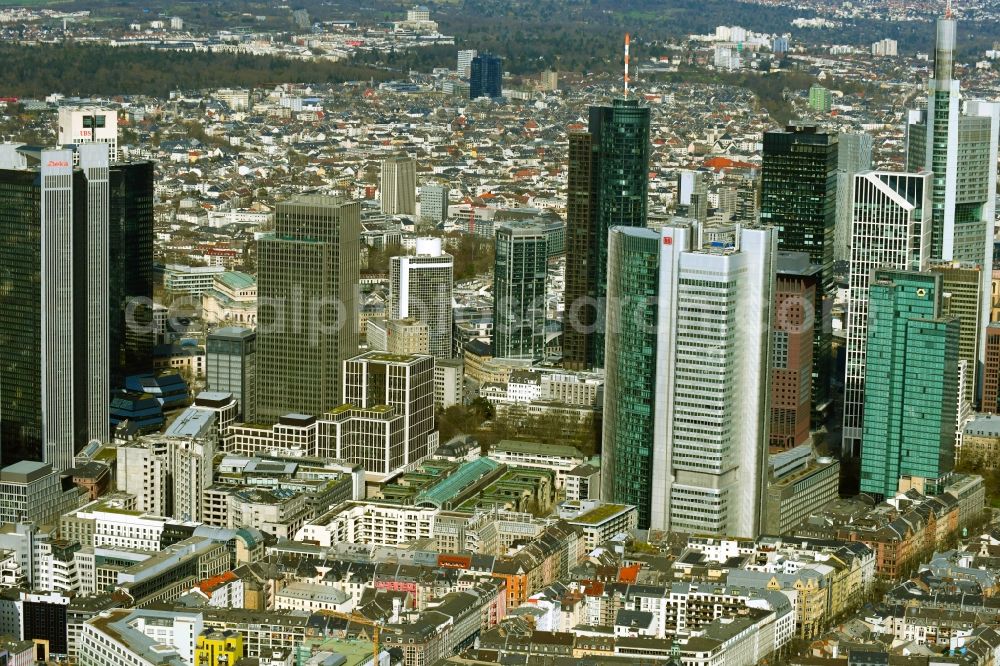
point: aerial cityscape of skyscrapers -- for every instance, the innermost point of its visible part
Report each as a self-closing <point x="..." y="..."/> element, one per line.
<point x="505" y="362"/>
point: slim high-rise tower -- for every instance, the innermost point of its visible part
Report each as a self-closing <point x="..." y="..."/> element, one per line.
<point x="130" y="269"/>
<point x="854" y="155"/>
<point x="420" y="287"/>
<point x="308" y="305"/>
<point x="398" y="186"/>
<point x="799" y="197"/>
<point x="519" y="279"/>
<point x="792" y="350"/>
<point x="231" y="360"/>
<point x="890" y="230"/>
<point x="957" y="141"/>
<point x="607" y="187"/>
<point x="54" y="302"/>
<point x="630" y="371"/>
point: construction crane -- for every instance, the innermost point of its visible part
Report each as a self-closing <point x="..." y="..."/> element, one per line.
<point x="376" y="626"/>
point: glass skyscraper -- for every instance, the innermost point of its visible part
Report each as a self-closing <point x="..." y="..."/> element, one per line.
<point x="130" y="269"/>
<point x="607" y="187"/>
<point x="420" y="287"/>
<point x="799" y="197"/>
<point x="486" y="77"/>
<point x="308" y="305"/>
<point x="55" y="304"/>
<point x="957" y="142"/>
<point x="630" y="367"/>
<point x="519" y="278"/>
<point x="911" y="382"/>
<point x="890" y="230"/>
<point x="688" y="348"/>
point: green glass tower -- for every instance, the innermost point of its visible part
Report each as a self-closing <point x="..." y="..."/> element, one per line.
<point x="911" y="382"/>
<point x="630" y="384"/>
<point x="607" y="186"/>
<point x="799" y="197"/>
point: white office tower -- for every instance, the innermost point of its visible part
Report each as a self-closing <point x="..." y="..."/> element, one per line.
<point x="854" y="155"/>
<point x="464" y="62"/>
<point x="959" y="146"/>
<point x="710" y="438"/>
<point x="91" y="124"/>
<point x="890" y="229"/>
<point x="399" y="186"/>
<point x="433" y="203"/>
<point x="420" y="287"/>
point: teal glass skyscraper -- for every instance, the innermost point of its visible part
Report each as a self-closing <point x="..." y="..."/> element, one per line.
<point x="630" y="364"/>
<point x="911" y="382"/>
<point x="608" y="182"/>
<point x="799" y="196"/>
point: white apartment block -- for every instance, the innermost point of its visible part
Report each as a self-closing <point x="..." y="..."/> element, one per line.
<point x="138" y="637"/>
<point x="560" y="459"/>
<point x="312" y="597"/>
<point x="142" y="471"/>
<point x="449" y="383"/>
<point x="370" y="523"/>
<point x="573" y="389"/>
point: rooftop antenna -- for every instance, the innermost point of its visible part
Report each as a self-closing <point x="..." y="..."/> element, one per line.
<point x="626" y="59"/>
<point x="947" y="10"/>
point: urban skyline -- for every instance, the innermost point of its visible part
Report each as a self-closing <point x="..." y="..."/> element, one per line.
<point x="474" y="354"/>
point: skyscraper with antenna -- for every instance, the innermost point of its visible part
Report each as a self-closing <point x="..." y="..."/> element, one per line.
<point x="956" y="139"/>
<point x="607" y="186"/>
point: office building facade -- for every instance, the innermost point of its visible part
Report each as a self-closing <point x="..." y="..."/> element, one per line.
<point x="990" y="402"/>
<point x="404" y="385"/>
<point x="608" y="182"/>
<point x="890" y="229"/>
<point x="854" y="155"/>
<point x="80" y="125"/>
<point x="433" y="203"/>
<point x="486" y="76"/>
<point x="420" y="287"/>
<point x="130" y="269"/>
<point x="231" y="360"/>
<point x="463" y="62"/>
<point x="630" y="398"/>
<point x="55" y="305"/>
<point x="308" y="310"/>
<point x="956" y="140"/>
<point x="519" y="279"/>
<point x="715" y="315"/>
<point x="398" y="186"/>
<point x="792" y="350"/>
<point x="33" y="491"/>
<point x="708" y="391"/>
<point x="961" y="288"/>
<point x="911" y="383"/>
<point x="799" y="197"/>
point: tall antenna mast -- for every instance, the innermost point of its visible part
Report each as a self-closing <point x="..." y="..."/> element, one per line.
<point x="947" y="10"/>
<point x="626" y="62"/>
